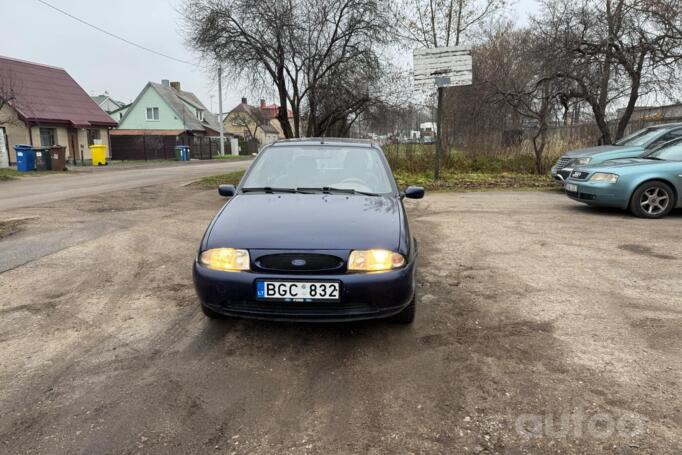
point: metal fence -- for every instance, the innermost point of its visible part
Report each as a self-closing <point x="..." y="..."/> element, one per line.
<point x="156" y="147"/>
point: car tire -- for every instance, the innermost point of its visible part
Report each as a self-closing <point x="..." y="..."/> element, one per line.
<point x="652" y="192"/>
<point x="406" y="316"/>
<point x="209" y="313"/>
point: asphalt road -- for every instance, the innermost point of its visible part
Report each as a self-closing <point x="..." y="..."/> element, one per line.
<point x="542" y="327"/>
<point x="27" y="191"/>
<point x="82" y="194"/>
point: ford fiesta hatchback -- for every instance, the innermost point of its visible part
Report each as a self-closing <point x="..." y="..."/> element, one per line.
<point x="315" y="231"/>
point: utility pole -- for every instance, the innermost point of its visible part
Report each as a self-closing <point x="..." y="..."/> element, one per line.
<point x="220" y="110"/>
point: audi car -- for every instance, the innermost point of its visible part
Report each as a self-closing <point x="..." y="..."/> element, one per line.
<point x="650" y="186"/>
<point x="632" y="146"/>
<point x="315" y="231"/>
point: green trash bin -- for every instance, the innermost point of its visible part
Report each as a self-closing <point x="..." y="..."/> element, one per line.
<point x="42" y="158"/>
<point x="178" y="152"/>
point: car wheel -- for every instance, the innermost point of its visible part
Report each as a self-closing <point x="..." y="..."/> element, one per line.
<point x="653" y="199"/>
<point x="210" y="313"/>
<point x="406" y="316"/>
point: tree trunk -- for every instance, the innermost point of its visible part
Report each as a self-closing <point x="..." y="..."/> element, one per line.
<point x="283" y="112"/>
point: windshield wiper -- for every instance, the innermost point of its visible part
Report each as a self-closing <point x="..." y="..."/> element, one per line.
<point x="269" y="189"/>
<point x="331" y="189"/>
<point x="652" y="158"/>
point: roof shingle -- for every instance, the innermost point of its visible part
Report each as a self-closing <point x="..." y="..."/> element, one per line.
<point x="47" y="94"/>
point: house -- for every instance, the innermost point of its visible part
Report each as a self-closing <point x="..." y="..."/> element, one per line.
<point x="246" y="121"/>
<point x="44" y="106"/>
<point x="668" y="113"/>
<point x="162" y="117"/>
<point x="166" y="107"/>
<point x="427" y="131"/>
<point x="115" y="109"/>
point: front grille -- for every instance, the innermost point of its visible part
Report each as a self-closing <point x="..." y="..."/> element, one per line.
<point x="579" y="175"/>
<point x="563" y="162"/>
<point x="300" y="262"/>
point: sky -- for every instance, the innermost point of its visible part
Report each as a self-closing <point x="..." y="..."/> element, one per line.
<point x="100" y="63"/>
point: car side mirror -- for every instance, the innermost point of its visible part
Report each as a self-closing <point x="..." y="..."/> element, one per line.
<point x="226" y="190"/>
<point x="414" y="192"/>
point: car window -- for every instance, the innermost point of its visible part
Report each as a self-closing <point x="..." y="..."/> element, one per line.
<point x="357" y="168"/>
<point x="672" y="152"/>
<point x="669" y="136"/>
<point x="640" y="138"/>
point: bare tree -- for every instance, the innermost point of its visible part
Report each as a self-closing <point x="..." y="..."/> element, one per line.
<point x="612" y="50"/>
<point x="252" y="39"/>
<point x="301" y="47"/>
<point x="436" y="23"/>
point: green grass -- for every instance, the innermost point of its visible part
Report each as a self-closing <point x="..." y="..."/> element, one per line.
<point x="475" y="181"/>
<point x="232" y="157"/>
<point x="11" y="174"/>
<point x="212" y="182"/>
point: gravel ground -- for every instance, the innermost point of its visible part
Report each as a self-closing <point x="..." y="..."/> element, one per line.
<point x="542" y="327"/>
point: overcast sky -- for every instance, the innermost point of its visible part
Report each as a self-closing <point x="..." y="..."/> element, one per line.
<point x="99" y="62"/>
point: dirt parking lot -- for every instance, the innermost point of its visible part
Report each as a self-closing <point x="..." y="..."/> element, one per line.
<point x="543" y="327"/>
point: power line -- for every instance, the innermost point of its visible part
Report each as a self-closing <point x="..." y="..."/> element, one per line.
<point x="112" y="34"/>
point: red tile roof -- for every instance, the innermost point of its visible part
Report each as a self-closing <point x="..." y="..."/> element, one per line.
<point x="47" y="94"/>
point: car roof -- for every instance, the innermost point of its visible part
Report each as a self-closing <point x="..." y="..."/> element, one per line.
<point x="666" y="125"/>
<point x="338" y="141"/>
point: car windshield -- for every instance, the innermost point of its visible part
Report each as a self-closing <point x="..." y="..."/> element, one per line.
<point x="319" y="168"/>
<point x="641" y="137"/>
<point x="668" y="152"/>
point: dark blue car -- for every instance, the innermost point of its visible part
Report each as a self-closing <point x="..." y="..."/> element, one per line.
<point x="315" y="231"/>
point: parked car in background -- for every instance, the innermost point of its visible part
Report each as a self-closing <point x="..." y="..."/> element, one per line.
<point x="631" y="146"/>
<point x="650" y="186"/>
<point x="315" y="231"/>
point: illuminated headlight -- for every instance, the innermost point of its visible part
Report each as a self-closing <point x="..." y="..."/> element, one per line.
<point x="604" y="177"/>
<point x="581" y="161"/>
<point x="225" y="259"/>
<point x="374" y="261"/>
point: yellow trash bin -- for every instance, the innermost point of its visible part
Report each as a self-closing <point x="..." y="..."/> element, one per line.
<point x="99" y="155"/>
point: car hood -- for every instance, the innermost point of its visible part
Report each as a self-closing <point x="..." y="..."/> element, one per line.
<point x="591" y="151"/>
<point x="629" y="166"/>
<point x="307" y="221"/>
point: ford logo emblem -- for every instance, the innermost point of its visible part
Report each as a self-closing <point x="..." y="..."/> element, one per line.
<point x="298" y="262"/>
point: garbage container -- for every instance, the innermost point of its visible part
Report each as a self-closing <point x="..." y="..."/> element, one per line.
<point x="182" y="153"/>
<point x="42" y="159"/>
<point x="57" y="154"/>
<point x="99" y="154"/>
<point x="26" y="158"/>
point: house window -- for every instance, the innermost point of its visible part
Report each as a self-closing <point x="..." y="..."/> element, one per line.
<point x="200" y="115"/>
<point x="94" y="135"/>
<point x="47" y="137"/>
<point x="152" y="113"/>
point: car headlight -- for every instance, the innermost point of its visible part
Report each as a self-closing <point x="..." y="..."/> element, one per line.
<point x="225" y="259"/>
<point x="374" y="260"/>
<point x="581" y="161"/>
<point x="604" y="177"/>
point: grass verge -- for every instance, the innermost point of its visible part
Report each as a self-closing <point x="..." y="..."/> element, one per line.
<point x="11" y="174"/>
<point x="213" y="181"/>
<point x="450" y="181"/>
<point x="475" y="181"/>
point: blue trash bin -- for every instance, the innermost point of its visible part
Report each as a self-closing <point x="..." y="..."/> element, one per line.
<point x="26" y="158"/>
<point x="185" y="153"/>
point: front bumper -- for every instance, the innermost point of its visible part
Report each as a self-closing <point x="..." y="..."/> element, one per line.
<point x="599" y="194"/>
<point x="561" y="175"/>
<point x="363" y="295"/>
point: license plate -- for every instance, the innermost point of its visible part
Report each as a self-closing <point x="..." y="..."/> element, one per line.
<point x="571" y="188"/>
<point x="297" y="291"/>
